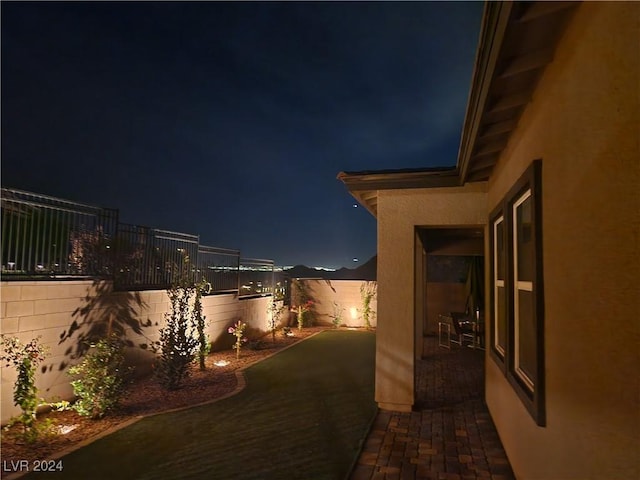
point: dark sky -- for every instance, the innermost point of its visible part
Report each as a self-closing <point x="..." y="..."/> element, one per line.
<point x="232" y="120"/>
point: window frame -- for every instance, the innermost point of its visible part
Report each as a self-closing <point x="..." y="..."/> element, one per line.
<point x="531" y="392"/>
<point x="497" y="216"/>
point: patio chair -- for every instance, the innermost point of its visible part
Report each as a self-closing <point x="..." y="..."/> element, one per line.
<point x="451" y="330"/>
<point x="468" y="329"/>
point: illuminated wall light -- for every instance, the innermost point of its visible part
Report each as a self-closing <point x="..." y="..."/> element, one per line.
<point x="354" y="312"/>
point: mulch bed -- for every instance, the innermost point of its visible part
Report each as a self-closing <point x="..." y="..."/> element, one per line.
<point x="143" y="397"/>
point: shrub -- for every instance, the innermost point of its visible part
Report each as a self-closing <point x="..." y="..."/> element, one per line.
<point x="178" y="342"/>
<point x="25" y="358"/>
<point x="301" y="302"/>
<point x="256" y="344"/>
<point x="102" y="379"/>
<point x="302" y="317"/>
<point x="337" y="314"/>
<point x="367" y="293"/>
<point x="200" y="320"/>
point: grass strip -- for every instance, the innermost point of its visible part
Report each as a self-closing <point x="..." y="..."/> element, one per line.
<point x="303" y="415"/>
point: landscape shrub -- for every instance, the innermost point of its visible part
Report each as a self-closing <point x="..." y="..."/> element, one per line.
<point x="178" y="338"/>
<point x="25" y="358"/>
<point x="336" y="316"/>
<point x="204" y="347"/>
<point x="367" y="293"/>
<point x="102" y="378"/>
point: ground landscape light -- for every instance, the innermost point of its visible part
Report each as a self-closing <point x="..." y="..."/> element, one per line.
<point x="64" y="429"/>
<point x="221" y="363"/>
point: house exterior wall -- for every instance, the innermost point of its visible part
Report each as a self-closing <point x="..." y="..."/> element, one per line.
<point x="583" y="122"/>
<point x="399" y="213"/>
<point x="46" y="309"/>
<point x="346" y="293"/>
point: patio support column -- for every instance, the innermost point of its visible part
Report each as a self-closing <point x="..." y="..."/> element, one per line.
<point x="400" y="316"/>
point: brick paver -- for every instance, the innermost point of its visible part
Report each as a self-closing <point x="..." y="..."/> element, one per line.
<point x="448" y="436"/>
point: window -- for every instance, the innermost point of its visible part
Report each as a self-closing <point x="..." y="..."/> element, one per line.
<point x="517" y="308"/>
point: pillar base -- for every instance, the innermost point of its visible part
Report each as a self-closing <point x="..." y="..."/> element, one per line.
<point x="395" y="407"/>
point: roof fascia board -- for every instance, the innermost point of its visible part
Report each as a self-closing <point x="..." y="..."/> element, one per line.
<point x="496" y="18"/>
<point x="397" y="180"/>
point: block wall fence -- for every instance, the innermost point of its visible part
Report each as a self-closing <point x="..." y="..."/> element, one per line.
<point x="346" y="294"/>
<point x="49" y="309"/>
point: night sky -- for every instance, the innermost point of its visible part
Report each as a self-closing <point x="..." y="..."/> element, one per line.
<point x="232" y="120"/>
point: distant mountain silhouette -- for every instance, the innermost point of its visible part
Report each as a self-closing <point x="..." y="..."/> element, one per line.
<point x="366" y="271"/>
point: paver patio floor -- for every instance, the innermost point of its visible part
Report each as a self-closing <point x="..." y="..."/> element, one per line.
<point x="449" y="435"/>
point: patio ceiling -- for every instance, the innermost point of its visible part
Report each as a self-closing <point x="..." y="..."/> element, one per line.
<point x="517" y="41"/>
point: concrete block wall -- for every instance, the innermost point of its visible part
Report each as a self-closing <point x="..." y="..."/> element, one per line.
<point x="54" y="309"/>
<point x="346" y="293"/>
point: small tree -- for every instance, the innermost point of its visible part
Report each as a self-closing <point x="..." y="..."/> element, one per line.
<point x="368" y="292"/>
<point x="302" y="310"/>
<point x="178" y="341"/>
<point x="200" y="321"/>
<point x="25" y="358"/>
<point x="102" y="379"/>
<point x="275" y="312"/>
<point x="301" y="301"/>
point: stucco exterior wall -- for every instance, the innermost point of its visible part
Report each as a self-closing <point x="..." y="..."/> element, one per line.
<point x="345" y="293"/>
<point x="46" y="309"/>
<point x="583" y="122"/>
<point x="399" y="213"/>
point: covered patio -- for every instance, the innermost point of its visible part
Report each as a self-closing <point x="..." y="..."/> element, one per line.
<point x="449" y="435"/>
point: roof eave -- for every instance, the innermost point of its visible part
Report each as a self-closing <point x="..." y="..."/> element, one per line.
<point x="495" y="20"/>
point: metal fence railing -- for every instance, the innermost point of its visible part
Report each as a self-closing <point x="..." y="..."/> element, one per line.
<point x="256" y="277"/>
<point x="152" y="258"/>
<point x="45" y="237"/>
<point x="42" y="235"/>
<point x="219" y="267"/>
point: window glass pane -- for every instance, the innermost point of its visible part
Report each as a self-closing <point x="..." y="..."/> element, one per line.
<point x="525" y="241"/>
<point x="500" y="250"/>
<point x="501" y="333"/>
<point x="526" y="361"/>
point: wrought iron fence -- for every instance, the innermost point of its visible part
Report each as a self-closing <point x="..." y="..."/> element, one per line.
<point x="46" y="237"/>
<point x="43" y="235"/>
<point x="281" y="286"/>
<point x="219" y="267"/>
<point x="153" y="258"/>
<point x="256" y="277"/>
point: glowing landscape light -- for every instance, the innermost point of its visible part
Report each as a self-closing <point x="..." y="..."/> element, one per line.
<point x="64" y="429"/>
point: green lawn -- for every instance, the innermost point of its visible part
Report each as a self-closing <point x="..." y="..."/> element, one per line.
<point x="303" y="415"/>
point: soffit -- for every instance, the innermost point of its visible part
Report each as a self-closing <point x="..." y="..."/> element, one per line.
<point x="517" y="42"/>
<point x="364" y="186"/>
